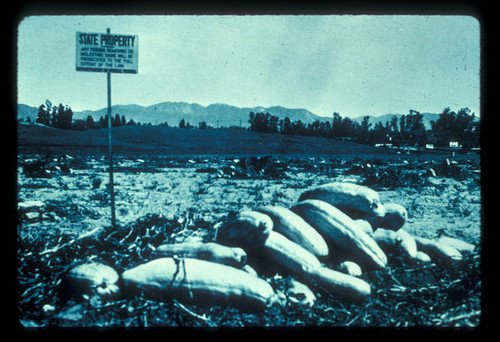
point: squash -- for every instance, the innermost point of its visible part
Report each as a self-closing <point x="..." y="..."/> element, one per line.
<point x="299" y="293"/>
<point x="198" y="282"/>
<point x="460" y="245"/>
<point x="285" y="256"/>
<point x="399" y="243"/>
<point x="342" y="233"/>
<point x="249" y="230"/>
<point x="422" y="258"/>
<point x="394" y="218"/>
<point x="408" y="243"/>
<point x="211" y="251"/>
<point x="437" y="251"/>
<point x="249" y="269"/>
<point x="350" y="268"/>
<point x="343" y="285"/>
<point x="93" y="278"/>
<point x="296" y="229"/>
<point x="355" y="200"/>
<point x="364" y="225"/>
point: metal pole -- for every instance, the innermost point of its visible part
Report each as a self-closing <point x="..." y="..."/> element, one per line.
<point x="111" y="183"/>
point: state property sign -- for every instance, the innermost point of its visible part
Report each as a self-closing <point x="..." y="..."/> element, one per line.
<point x="100" y="52"/>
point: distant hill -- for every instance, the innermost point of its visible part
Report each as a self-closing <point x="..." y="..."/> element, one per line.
<point x="25" y="111"/>
<point x="215" y="115"/>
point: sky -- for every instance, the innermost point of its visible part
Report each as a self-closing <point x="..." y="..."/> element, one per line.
<point x="350" y="64"/>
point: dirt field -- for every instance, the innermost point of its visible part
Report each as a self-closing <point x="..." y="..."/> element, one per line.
<point x="442" y="196"/>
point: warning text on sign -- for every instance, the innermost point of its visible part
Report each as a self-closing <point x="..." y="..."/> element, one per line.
<point x="100" y="52"/>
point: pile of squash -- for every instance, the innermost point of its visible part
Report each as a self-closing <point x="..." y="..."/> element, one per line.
<point x="324" y="242"/>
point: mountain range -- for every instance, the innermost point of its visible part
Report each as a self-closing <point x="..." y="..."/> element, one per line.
<point x="216" y="115"/>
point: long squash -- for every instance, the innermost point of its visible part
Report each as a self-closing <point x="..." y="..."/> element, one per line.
<point x="285" y="256"/>
<point x="289" y="257"/>
<point x="357" y="201"/>
<point x="296" y="229"/>
<point x="399" y="243"/>
<point x="210" y="251"/>
<point x="408" y="243"/>
<point x="199" y="282"/>
<point x="422" y="258"/>
<point x="342" y="233"/>
<point x="460" y="245"/>
<point x="249" y="230"/>
<point x="364" y="225"/>
<point x="438" y="251"/>
<point x="342" y="284"/>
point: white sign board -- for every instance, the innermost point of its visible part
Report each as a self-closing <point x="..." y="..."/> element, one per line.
<point x="99" y="52"/>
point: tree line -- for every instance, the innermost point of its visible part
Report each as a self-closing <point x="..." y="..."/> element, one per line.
<point x="61" y="117"/>
<point x="407" y="130"/>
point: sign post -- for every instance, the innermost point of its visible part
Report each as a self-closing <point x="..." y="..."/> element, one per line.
<point x="118" y="53"/>
<point x="110" y="146"/>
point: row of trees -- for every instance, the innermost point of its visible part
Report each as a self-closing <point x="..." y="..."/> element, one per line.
<point x="62" y="117"/>
<point x="89" y="122"/>
<point x="408" y="129"/>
